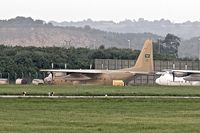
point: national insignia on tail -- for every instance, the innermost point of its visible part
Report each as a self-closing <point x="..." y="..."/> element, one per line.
<point x="147" y="55"/>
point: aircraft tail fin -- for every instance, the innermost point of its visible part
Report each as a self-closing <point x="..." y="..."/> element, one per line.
<point x="144" y="63"/>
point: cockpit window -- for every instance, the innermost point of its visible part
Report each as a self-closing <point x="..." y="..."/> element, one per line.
<point x="170" y="72"/>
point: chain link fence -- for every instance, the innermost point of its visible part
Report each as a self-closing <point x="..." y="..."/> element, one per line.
<point x="28" y="76"/>
<point x="159" y="65"/>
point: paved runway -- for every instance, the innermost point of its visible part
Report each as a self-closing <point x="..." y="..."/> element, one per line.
<point x="103" y="97"/>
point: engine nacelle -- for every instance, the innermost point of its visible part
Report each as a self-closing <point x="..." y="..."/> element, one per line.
<point x="180" y="74"/>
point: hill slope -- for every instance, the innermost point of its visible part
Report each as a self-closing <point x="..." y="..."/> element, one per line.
<point x="161" y="27"/>
<point x="29" y="32"/>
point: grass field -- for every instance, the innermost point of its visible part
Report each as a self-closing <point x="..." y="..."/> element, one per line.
<point x="101" y="90"/>
<point x="24" y="115"/>
<point x="99" y="115"/>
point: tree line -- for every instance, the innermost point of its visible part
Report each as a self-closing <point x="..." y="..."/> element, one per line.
<point x="18" y="61"/>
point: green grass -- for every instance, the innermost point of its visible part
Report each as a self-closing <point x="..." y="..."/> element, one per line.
<point x="99" y="115"/>
<point x="101" y="90"/>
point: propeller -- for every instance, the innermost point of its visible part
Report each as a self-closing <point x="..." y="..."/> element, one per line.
<point x="173" y="74"/>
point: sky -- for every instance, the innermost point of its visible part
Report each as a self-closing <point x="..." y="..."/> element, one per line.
<point x="115" y="10"/>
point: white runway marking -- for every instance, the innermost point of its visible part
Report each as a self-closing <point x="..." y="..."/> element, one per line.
<point x="103" y="97"/>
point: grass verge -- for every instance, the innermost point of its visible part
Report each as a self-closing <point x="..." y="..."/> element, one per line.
<point x="85" y="90"/>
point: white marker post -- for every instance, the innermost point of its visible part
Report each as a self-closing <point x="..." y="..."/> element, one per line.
<point x="52" y="65"/>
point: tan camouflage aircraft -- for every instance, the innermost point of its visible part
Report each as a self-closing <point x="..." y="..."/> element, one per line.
<point x="144" y="65"/>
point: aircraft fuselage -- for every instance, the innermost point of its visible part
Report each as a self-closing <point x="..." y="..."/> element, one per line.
<point x="104" y="78"/>
<point x="168" y="79"/>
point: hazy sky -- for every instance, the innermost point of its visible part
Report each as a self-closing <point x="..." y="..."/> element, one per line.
<point x="116" y="10"/>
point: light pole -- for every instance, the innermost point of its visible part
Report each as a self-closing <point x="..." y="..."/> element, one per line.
<point x="129" y="44"/>
<point x="199" y="48"/>
<point x="159" y="45"/>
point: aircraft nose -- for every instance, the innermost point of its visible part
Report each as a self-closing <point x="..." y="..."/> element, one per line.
<point x="157" y="81"/>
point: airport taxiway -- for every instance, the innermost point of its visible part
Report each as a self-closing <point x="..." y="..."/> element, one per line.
<point x="102" y="97"/>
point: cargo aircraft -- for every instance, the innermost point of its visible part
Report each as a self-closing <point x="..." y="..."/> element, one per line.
<point x="143" y="65"/>
<point x="179" y="78"/>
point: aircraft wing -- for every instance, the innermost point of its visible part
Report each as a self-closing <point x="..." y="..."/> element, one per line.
<point x="139" y="72"/>
<point x="92" y="71"/>
<point x="179" y="71"/>
<point x="89" y="71"/>
<point x="187" y="71"/>
<point x="188" y="75"/>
